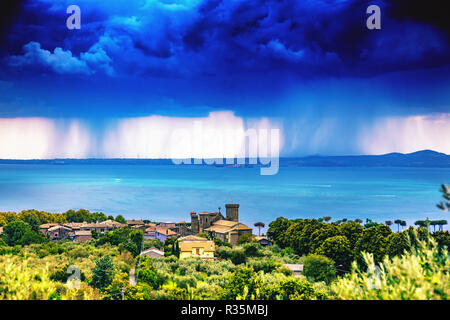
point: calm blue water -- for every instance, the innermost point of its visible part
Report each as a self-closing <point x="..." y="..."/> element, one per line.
<point x="170" y="193"/>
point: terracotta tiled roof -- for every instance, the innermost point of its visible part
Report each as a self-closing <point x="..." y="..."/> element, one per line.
<point x="224" y="226"/>
<point x="192" y="238"/>
<point x="47" y="225"/>
<point x="135" y="222"/>
<point x="58" y="227"/>
<point x="113" y="223"/>
<point x="226" y="223"/>
<point x="192" y="242"/>
<point x="150" y="229"/>
<point x="165" y="231"/>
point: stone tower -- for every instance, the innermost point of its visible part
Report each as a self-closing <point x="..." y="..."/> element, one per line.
<point x="232" y="212"/>
<point x="194" y="223"/>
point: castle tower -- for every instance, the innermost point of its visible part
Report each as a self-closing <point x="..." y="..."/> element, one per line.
<point x="232" y="211"/>
<point x="194" y="223"/>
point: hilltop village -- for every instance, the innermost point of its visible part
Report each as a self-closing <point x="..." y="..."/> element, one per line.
<point x="225" y="228"/>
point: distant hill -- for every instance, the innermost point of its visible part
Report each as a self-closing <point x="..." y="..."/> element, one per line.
<point x="424" y="158"/>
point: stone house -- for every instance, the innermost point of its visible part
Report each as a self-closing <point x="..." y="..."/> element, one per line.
<point x="58" y="233"/>
<point x="193" y="246"/>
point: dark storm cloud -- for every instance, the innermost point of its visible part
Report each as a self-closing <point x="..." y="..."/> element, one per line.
<point x="181" y="38"/>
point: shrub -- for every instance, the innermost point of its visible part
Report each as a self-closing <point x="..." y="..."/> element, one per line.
<point x="224" y="252"/>
<point x="242" y="284"/>
<point x="318" y="268"/>
<point x="220" y="243"/>
<point x="238" y="256"/>
<point x="185" y="281"/>
<point x="421" y="274"/>
<point x="299" y="289"/>
<point x="265" y="265"/>
<point x="398" y="243"/>
<point x="253" y="249"/>
<point x="62" y="275"/>
<point x="246" y="238"/>
<point x="149" y="275"/>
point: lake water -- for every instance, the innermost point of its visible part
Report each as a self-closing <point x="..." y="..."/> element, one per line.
<point x="170" y="193"/>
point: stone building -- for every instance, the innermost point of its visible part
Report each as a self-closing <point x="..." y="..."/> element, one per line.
<point x="226" y="228"/>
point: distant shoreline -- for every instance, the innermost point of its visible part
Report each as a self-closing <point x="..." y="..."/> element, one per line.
<point x="424" y="158"/>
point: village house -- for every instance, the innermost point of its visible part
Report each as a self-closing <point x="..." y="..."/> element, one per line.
<point x="193" y="246"/>
<point x="102" y="227"/>
<point x="153" y="253"/>
<point x="44" y="227"/>
<point x="58" y="233"/>
<point x="181" y="229"/>
<point x="263" y="241"/>
<point x="159" y="233"/>
<point x="168" y="225"/>
<point x="81" y="236"/>
<point x="136" y="224"/>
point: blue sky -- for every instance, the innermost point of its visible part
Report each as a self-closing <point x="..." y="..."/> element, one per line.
<point x="310" y="68"/>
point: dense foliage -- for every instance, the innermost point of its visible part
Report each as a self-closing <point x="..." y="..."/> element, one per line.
<point x="341" y="260"/>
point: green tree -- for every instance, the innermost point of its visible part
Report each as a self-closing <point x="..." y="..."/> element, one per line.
<point x="442" y="238"/>
<point x="398" y="222"/>
<point x="103" y="273"/>
<point x="259" y="225"/>
<point x="300" y="234"/>
<point x="20" y="233"/>
<point x="137" y="238"/>
<point x="434" y="223"/>
<point x="149" y="275"/>
<point x="319" y="268"/>
<point x="369" y="223"/>
<point x="327" y="218"/>
<point x="81" y="215"/>
<point x="398" y="243"/>
<point x="323" y="232"/>
<point x="242" y="283"/>
<point x="277" y="231"/>
<point x="373" y="240"/>
<point x="441" y="223"/>
<point x="403" y="223"/>
<point x="352" y="231"/>
<point x="98" y="217"/>
<point x="121" y="219"/>
<point x="337" y="249"/>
